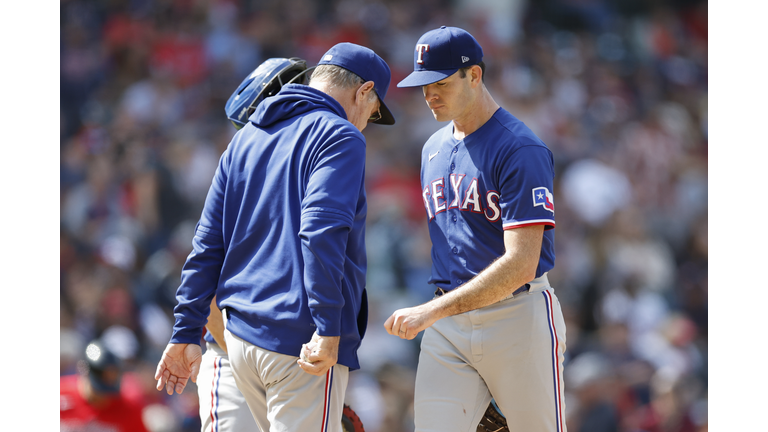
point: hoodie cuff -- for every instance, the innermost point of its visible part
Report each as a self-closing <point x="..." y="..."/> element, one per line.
<point x="328" y="321"/>
<point x="187" y="336"/>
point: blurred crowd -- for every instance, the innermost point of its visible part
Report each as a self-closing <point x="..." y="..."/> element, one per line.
<point x="616" y="89"/>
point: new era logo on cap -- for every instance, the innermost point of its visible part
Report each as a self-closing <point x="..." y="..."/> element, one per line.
<point x="440" y="53"/>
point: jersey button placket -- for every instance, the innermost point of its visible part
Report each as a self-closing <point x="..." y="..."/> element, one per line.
<point x="452" y="167"/>
<point x="453" y="155"/>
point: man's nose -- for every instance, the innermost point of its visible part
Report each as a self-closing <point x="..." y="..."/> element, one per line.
<point x="429" y="93"/>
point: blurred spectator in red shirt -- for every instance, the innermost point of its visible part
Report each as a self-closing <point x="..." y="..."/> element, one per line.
<point x="92" y="399"/>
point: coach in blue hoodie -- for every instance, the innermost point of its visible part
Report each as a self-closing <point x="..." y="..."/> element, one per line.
<point x="280" y="242"/>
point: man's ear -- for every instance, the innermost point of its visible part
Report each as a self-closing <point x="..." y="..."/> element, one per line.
<point x="363" y="92"/>
<point x="476" y="75"/>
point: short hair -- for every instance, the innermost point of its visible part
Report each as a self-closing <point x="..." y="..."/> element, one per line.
<point x="337" y="76"/>
<point x="463" y="71"/>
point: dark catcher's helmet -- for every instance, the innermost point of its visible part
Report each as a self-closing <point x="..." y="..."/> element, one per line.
<point x="266" y="80"/>
<point x="102" y="367"/>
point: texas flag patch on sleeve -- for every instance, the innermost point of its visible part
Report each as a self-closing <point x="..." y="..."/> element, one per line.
<point x="542" y="197"/>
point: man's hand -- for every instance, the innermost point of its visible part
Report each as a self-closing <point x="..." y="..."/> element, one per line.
<point x="408" y="322"/>
<point x="513" y="269"/>
<point x="319" y="354"/>
<point x="178" y="364"/>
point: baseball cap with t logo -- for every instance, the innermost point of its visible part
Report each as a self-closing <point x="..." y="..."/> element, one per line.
<point x="440" y="53"/>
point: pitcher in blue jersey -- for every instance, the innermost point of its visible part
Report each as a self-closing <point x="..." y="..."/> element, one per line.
<point x="495" y="329"/>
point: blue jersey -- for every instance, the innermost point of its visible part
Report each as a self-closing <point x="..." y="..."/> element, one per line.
<point x="499" y="177"/>
<point x="281" y="239"/>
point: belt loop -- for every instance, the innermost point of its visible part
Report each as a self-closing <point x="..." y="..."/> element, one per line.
<point x="520" y="290"/>
<point x="541" y="283"/>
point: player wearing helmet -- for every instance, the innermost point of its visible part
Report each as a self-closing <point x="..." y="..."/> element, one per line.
<point x="92" y="400"/>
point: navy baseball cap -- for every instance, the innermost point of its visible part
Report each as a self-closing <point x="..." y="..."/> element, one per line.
<point x="368" y="66"/>
<point x="440" y="53"/>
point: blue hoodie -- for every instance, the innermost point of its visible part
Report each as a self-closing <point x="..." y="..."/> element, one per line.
<point x="281" y="237"/>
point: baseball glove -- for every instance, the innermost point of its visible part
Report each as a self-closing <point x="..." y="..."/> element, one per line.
<point x="492" y="421"/>
<point x="350" y="422"/>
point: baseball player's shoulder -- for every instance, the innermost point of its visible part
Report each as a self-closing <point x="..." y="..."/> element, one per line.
<point x="513" y="133"/>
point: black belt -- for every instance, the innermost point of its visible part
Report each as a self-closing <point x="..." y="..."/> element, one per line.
<point x="439" y="291"/>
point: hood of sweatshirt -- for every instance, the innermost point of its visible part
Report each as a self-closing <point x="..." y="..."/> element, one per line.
<point x="293" y="100"/>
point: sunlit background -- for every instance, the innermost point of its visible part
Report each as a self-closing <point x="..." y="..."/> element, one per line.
<point x="616" y="89"/>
